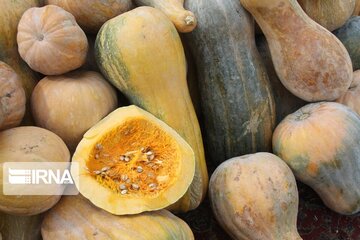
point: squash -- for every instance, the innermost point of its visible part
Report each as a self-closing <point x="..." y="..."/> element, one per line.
<point x="330" y="14"/>
<point x="352" y="97"/>
<point x="255" y="197"/>
<point x="70" y="104"/>
<point x="12" y="98"/>
<point x="92" y="14"/>
<point x="11" y="12"/>
<point x="75" y="218"/>
<point x="50" y="41"/>
<point x="320" y="144"/>
<point x="285" y="101"/>
<point x="357" y="8"/>
<point x="29" y="144"/>
<point x="310" y="61"/>
<point x="236" y="98"/>
<point x="151" y="72"/>
<point x="349" y="35"/>
<point x="20" y="227"/>
<point x="131" y="162"/>
<point x="184" y="20"/>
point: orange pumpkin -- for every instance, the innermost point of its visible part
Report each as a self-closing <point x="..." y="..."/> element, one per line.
<point x="50" y="41"/>
<point x="12" y="98"/>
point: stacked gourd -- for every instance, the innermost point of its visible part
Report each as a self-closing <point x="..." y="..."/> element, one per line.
<point x="138" y="162"/>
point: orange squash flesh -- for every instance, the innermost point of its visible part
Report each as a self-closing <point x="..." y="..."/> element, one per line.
<point x="132" y="162"/>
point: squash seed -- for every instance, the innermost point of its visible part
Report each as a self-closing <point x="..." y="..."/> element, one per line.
<point x="122" y="187"/>
<point x="135" y="186"/>
<point x="99" y="147"/>
<point x="139" y="169"/>
<point x="123" y="192"/>
<point x="124" y="177"/>
<point x="152" y="185"/>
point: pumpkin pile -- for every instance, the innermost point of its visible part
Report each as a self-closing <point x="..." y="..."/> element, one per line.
<point x="147" y="96"/>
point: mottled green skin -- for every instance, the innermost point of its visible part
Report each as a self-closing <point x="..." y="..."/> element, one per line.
<point x="236" y="98"/>
<point x="11" y="12"/>
<point x="285" y="101"/>
<point x="349" y="35"/>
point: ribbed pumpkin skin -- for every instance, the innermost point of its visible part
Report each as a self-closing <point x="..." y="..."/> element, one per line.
<point x="309" y="60"/>
<point x="352" y="97"/>
<point x="255" y="197"/>
<point x="75" y="218"/>
<point x="236" y="98"/>
<point x="91" y="14"/>
<point x="50" y="41"/>
<point x="320" y="144"/>
<point x="184" y="20"/>
<point x="151" y="72"/>
<point x="285" y="101"/>
<point x="29" y="144"/>
<point x="330" y="14"/>
<point x="349" y="35"/>
<point x="11" y="12"/>
<point x="12" y="98"/>
<point x="70" y="104"/>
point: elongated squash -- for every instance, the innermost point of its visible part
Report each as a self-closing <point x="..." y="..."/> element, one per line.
<point x="75" y="218"/>
<point x="285" y="101"/>
<point x="184" y="21"/>
<point x="330" y="14"/>
<point x="11" y="12"/>
<point x="236" y="97"/>
<point x="310" y="61"/>
<point x="150" y="70"/>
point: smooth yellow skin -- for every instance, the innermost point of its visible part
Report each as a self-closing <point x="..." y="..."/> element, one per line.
<point x="151" y="71"/>
<point x="115" y="203"/>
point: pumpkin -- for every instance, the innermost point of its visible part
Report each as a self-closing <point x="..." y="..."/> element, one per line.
<point x="50" y="41"/>
<point x="12" y="98"/>
<point x="151" y="72"/>
<point x="92" y="14"/>
<point x="184" y="20"/>
<point x="357" y="8"/>
<point x="310" y="61"/>
<point x="352" y="97"/>
<point x="320" y="144"/>
<point x="75" y="218"/>
<point x="349" y="35"/>
<point x="329" y="14"/>
<point x="30" y="144"/>
<point x="131" y="162"/>
<point x="236" y="98"/>
<point x="285" y="101"/>
<point x="20" y="227"/>
<point x="255" y="197"/>
<point x="11" y="12"/>
<point x="70" y="104"/>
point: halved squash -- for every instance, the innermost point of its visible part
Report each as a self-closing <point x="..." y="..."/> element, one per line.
<point x="131" y="162"/>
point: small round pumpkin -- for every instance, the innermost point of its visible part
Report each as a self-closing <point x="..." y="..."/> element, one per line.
<point x="75" y="218"/>
<point x="92" y="14"/>
<point x="131" y="162"/>
<point x="70" y="104"/>
<point x="352" y="97"/>
<point x="50" y="41"/>
<point x="320" y="143"/>
<point x="255" y="197"/>
<point x="29" y="144"/>
<point x="12" y="98"/>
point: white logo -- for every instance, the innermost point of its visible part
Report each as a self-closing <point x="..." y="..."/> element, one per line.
<point x="39" y="176"/>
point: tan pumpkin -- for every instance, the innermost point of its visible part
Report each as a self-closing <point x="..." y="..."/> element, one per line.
<point x="50" y="41"/>
<point x="330" y="14"/>
<point x="29" y="144"/>
<point x="70" y="104"/>
<point x="134" y="162"/>
<point x="352" y="97"/>
<point x="320" y="143"/>
<point x="255" y="197"/>
<point x="92" y="14"/>
<point x="75" y="218"/>
<point x="309" y="60"/>
<point x="12" y="98"/>
<point x="184" y="20"/>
